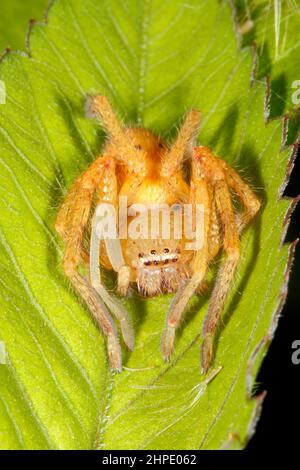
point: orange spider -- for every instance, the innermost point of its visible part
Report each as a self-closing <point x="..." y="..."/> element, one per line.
<point x="138" y="165"/>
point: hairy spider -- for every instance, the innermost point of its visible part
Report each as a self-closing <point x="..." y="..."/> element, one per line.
<point x="138" y="165"/>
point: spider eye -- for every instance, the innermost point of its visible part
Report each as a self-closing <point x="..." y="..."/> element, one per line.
<point x="138" y="147"/>
<point x="161" y="146"/>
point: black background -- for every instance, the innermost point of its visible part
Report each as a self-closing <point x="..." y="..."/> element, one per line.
<point x="277" y="427"/>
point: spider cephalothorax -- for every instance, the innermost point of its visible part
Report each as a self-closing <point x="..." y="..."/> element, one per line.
<point x="139" y="174"/>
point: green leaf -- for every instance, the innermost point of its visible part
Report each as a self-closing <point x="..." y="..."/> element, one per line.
<point x="14" y="20"/>
<point x="276" y="30"/>
<point x="154" y="60"/>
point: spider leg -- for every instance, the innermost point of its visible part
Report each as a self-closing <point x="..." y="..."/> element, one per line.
<point x="200" y="194"/>
<point x="172" y="162"/>
<point x="231" y="244"/>
<point x="203" y="287"/>
<point x="115" y="306"/>
<point x="70" y="224"/>
<point x="107" y="194"/>
<point x="101" y="314"/>
<point x="74" y="212"/>
<point x="249" y="200"/>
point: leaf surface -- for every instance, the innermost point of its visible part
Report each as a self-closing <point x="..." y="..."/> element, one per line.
<point x="154" y="60"/>
<point x="276" y="31"/>
<point x="14" y="20"/>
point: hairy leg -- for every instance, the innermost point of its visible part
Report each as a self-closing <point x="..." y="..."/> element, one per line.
<point x="200" y="194"/>
<point x="74" y="213"/>
<point x="116" y="307"/>
<point x="249" y="200"/>
<point x="226" y="273"/>
<point x="223" y="179"/>
<point x="172" y="163"/>
<point x="102" y="316"/>
<point x="107" y="194"/>
<point x="70" y="224"/>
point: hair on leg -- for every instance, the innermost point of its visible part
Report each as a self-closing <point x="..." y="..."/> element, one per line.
<point x="173" y="160"/>
<point x="225" y="276"/>
<point x="200" y="194"/>
<point x="70" y="224"/>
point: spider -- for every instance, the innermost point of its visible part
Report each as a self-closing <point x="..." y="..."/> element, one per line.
<point x="139" y="165"/>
